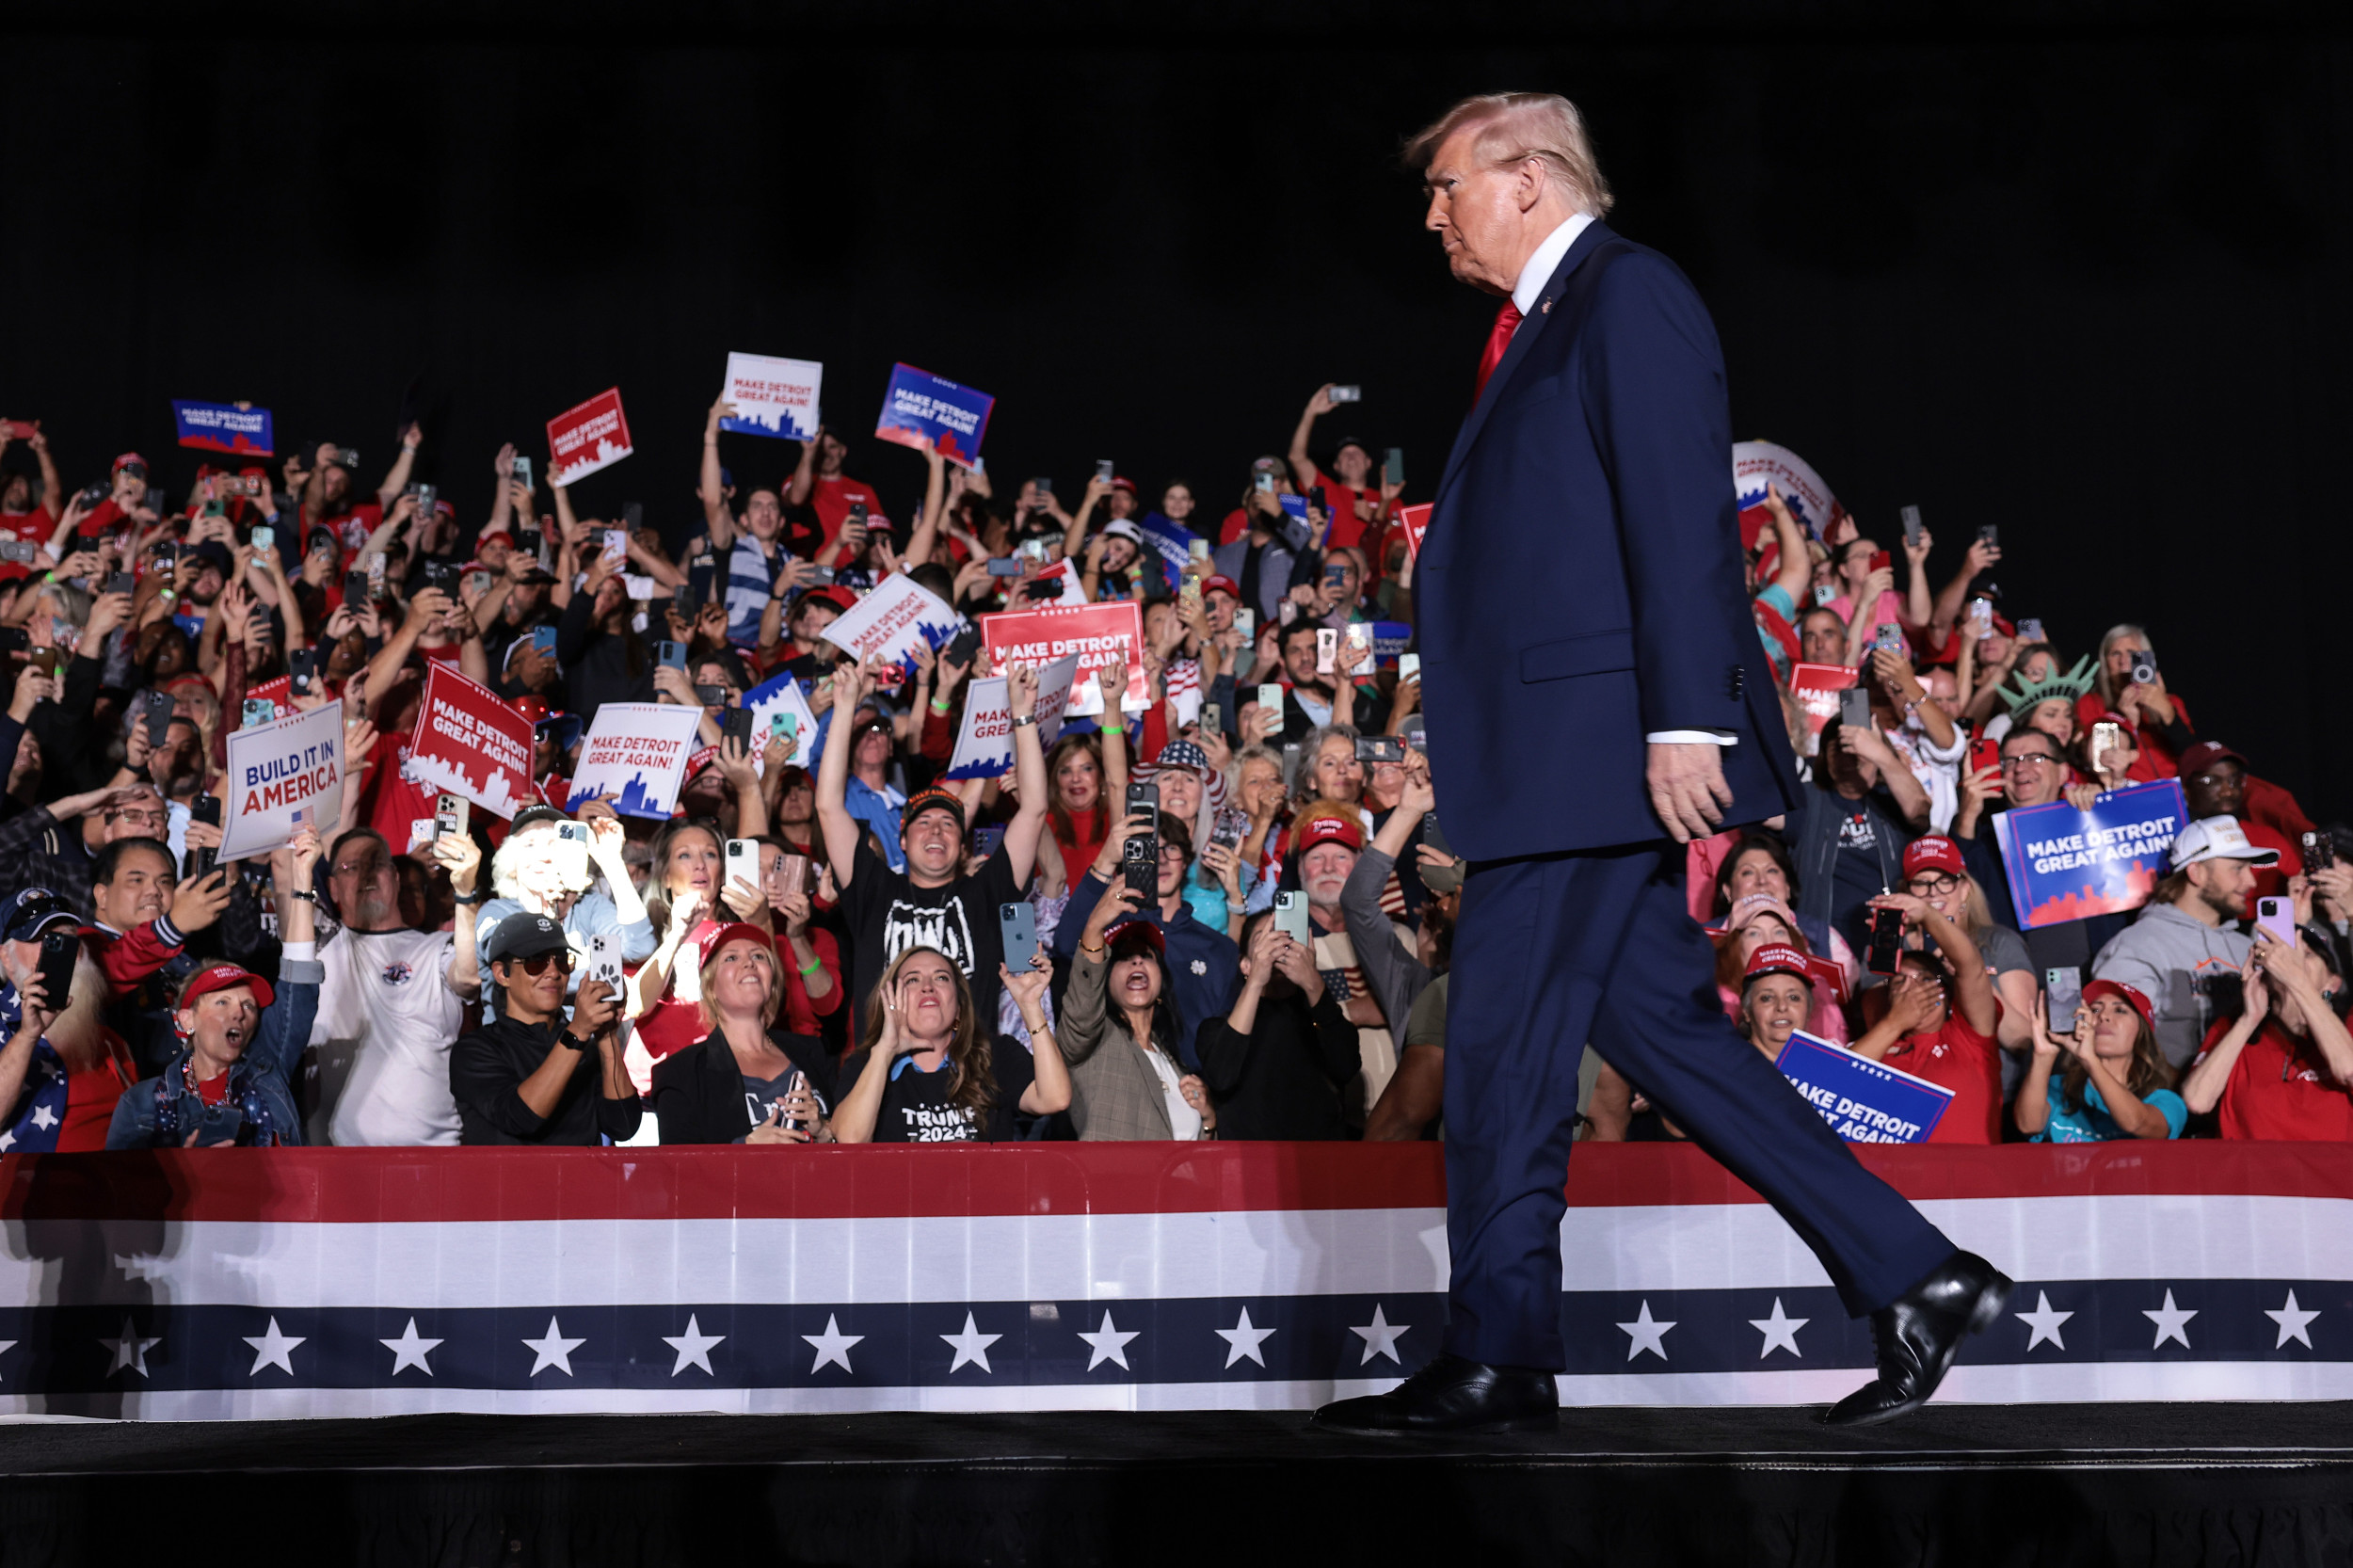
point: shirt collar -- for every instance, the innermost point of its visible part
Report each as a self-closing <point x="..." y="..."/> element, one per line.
<point x="1545" y="262"/>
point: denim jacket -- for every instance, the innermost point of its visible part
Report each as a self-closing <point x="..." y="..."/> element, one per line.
<point x="161" y="1112"/>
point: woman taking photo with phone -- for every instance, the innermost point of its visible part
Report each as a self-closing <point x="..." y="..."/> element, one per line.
<point x="2112" y="1080"/>
<point x="932" y="1074"/>
<point x="1120" y="1036"/>
<point x="746" y="1081"/>
<point x="689" y="896"/>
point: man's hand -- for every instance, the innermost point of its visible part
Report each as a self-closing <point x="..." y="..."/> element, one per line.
<point x="199" y="903"/>
<point x="1687" y="789"/>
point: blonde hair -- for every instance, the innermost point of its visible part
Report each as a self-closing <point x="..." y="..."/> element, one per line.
<point x="78" y="1033"/>
<point x="1515" y="126"/>
<point x="768" y="1009"/>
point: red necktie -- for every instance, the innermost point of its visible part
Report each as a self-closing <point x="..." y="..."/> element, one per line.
<point x="1507" y="321"/>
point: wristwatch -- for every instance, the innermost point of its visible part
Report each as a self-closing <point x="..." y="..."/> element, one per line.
<point x="1025" y="719"/>
<point x="577" y="1044"/>
<point x="475" y="897"/>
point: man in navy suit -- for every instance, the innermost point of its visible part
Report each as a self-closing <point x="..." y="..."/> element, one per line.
<point x="1597" y="697"/>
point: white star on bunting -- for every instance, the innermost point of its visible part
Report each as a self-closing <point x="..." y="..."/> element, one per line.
<point x="1109" y="1343"/>
<point x="130" y="1349"/>
<point x="1380" y="1336"/>
<point x="2044" y="1319"/>
<point x="2171" y="1321"/>
<point x="833" y="1344"/>
<point x="1242" y="1339"/>
<point x="409" y="1351"/>
<point x="1779" y="1331"/>
<point x="972" y="1346"/>
<point x="692" y="1347"/>
<point x="272" y="1349"/>
<point x="1646" y="1333"/>
<point x="44" y="1117"/>
<point x="552" y="1350"/>
<point x="2294" y="1323"/>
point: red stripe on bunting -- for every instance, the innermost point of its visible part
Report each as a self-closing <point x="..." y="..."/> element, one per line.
<point x="430" y="1186"/>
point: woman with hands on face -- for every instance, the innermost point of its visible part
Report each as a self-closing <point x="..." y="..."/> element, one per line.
<point x="1942" y="1013"/>
<point x="2111" y="1079"/>
<point x="537" y="870"/>
<point x="2284" y="1068"/>
<point x="932" y="1074"/>
<point x="748" y="1080"/>
<point x="1277" y="1063"/>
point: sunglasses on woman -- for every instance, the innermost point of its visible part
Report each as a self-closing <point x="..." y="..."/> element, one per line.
<point x="538" y="963"/>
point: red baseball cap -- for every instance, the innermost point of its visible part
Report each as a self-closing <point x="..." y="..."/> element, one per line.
<point x="2129" y="996"/>
<point x="834" y="594"/>
<point x="1779" y="958"/>
<point x="499" y="534"/>
<point x="127" y="459"/>
<point x="223" y="977"/>
<point x="2204" y="755"/>
<point x="711" y="941"/>
<point x="535" y="708"/>
<point x="1933" y="850"/>
<point x="1220" y="584"/>
<point x="1331" y="830"/>
<point x="1135" y="926"/>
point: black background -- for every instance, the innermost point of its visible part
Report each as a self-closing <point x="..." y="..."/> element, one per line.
<point x="2079" y="270"/>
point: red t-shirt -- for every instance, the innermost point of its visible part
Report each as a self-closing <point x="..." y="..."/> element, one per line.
<point x="36" y="525"/>
<point x="2155" y="762"/>
<point x="90" y="1095"/>
<point x="2278" y="1093"/>
<point x="830" y="498"/>
<point x="1970" y="1065"/>
<point x="1339" y="501"/>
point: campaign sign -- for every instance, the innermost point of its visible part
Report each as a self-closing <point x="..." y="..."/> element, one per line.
<point x="582" y="440"/>
<point x="918" y="404"/>
<point x="1416" y="522"/>
<point x="468" y="742"/>
<point x="1070" y="587"/>
<point x="1864" y="1101"/>
<point x="2068" y="865"/>
<point x="890" y="621"/>
<point x="280" y="776"/>
<point x="773" y="397"/>
<point x="1096" y="632"/>
<point x="1816" y="688"/>
<point x="984" y="744"/>
<point x="636" y="754"/>
<point x="1757" y="464"/>
<point x="1390" y="639"/>
<point x="782" y="694"/>
<point x="223" y="427"/>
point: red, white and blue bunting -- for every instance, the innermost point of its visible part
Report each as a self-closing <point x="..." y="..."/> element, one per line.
<point x="352" y="1282"/>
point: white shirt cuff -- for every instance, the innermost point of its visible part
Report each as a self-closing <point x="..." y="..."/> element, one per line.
<point x="1693" y="738"/>
<point x="301" y="953"/>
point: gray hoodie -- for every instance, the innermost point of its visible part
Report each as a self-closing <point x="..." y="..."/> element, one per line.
<point x="2172" y="958"/>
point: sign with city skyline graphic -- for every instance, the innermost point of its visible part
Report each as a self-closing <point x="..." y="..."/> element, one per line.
<point x="635" y="758"/>
<point x="468" y="742"/>
<point x="2068" y="865"/>
<point x="772" y="396"/>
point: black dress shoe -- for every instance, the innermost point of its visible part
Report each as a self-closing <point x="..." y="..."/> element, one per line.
<point x="1918" y="1335"/>
<point x="1452" y="1395"/>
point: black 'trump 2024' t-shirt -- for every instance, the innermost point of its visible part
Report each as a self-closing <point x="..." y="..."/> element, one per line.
<point x="915" y="1107"/>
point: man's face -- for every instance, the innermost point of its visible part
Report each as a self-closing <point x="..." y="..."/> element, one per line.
<point x="1173" y="864"/>
<point x="208" y="583"/>
<point x="1323" y="871"/>
<point x="711" y="673"/>
<point x="1857" y="775"/>
<point x="1341" y="578"/>
<point x="2219" y="790"/>
<point x="763" y="514"/>
<point x="524" y="600"/>
<point x="934" y="842"/>
<point x="221" y="1023"/>
<point x="1299" y="658"/>
<point x="142" y="889"/>
<point x="1218" y="607"/>
<point x="1944" y="692"/>
<point x="1353" y="464"/>
<point x="2224" y="885"/>
<point x="140" y="817"/>
<point x="130" y="486"/>
<point x="2031" y="771"/>
<point x="1821" y="639"/>
<point x="365" y="887"/>
<point x="18" y="497"/>
<point x="811" y="620"/>
<point x="1478" y="213"/>
<point x="534" y="669"/>
<point x="830" y="453"/>
<point x="494" y="554"/>
<point x="1121" y="503"/>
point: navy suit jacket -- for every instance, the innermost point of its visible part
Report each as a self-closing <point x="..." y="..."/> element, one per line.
<point x="1580" y="582"/>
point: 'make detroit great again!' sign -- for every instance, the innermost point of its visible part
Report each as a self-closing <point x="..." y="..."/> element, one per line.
<point x="2067" y="865"/>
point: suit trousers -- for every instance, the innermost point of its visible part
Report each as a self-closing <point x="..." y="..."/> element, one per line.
<point x="1552" y="951"/>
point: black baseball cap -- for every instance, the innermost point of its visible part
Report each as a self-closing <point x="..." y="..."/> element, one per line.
<point x="526" y="936"/>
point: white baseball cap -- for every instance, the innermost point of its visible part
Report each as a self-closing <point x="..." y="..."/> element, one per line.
<point x="2218" y="839"/>
<point x="1120" y="528"/>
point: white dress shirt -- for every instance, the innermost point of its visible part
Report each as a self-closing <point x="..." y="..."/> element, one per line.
<point x="1542" y="264"/>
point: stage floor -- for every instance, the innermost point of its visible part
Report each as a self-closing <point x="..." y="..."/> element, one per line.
<point x="1971" y="1484"/>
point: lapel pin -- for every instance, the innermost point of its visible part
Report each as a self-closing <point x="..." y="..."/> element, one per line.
<point x="1544" y="308"/>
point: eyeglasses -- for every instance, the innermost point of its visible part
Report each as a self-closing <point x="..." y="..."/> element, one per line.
<point x="1932" y="887"/>
<point x="137" y="816"/>
<point x="368" y="867"/>
<point x="538" y="963"/>
<point x="2039" y="759"/>
<point x="2215" y="780"/>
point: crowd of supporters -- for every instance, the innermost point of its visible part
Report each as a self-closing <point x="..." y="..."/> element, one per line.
<point x="1242" y="901"/>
